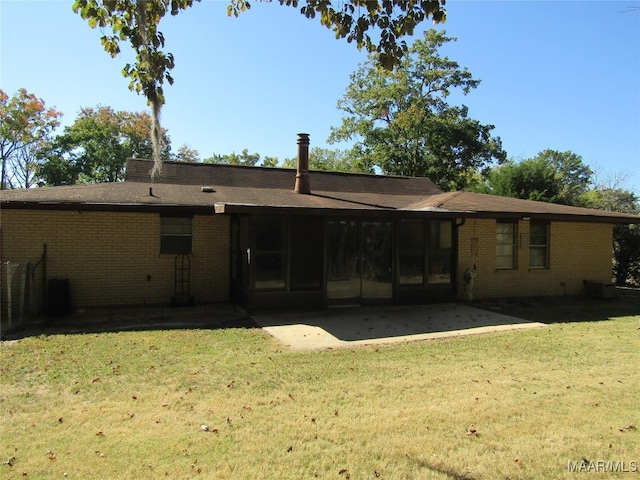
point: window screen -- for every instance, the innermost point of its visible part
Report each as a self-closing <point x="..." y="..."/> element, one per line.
<point x="505" y="245"/>
<point x="539" y="245"/>
<point x="176" y="235"/>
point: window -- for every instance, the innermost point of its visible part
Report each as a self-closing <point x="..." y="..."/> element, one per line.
<point x="411" y="251"/>
<point x="176" y="235"/>
<point x="270" y="253"/>
<point x="539" y="245"/>
<point x="506" y="245"/>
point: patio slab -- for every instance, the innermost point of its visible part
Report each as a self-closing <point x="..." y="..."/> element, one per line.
<point x="344" y="327"/>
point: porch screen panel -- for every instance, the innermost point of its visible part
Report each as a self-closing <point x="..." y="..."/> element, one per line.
<point x="376" y="258"/>
<point x="343" y="272"/>
<point x="270" y="253"/>
<point x="411" y="252"/>
<point x="307" y="253"/>
<point x="440" y="251"/>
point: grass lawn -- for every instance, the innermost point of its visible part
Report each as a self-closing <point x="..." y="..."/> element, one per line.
<point x="233" y="403"/>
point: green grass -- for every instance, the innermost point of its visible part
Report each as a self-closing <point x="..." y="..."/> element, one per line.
<point x="513" y="405"/>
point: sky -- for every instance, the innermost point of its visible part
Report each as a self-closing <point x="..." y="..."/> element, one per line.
<point x="563" y="75"/>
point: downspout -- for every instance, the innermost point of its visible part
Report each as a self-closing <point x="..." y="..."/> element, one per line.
<point x="455" y="257"/>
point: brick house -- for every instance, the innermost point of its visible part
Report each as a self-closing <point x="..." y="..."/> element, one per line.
<point x="279" y="238"/>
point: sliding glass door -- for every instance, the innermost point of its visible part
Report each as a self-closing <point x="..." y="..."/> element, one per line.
<point x="359" y="262"/>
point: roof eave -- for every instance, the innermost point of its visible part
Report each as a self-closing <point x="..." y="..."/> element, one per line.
<point x="108" y="207"/>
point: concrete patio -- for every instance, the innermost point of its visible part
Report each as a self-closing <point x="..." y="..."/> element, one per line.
<point x="344" y="327"/>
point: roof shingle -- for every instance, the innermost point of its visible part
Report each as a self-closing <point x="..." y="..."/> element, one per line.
<point x="236" y="188"/>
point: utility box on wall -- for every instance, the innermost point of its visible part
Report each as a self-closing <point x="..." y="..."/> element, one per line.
<point x="599" y="289"/>
<point x="58" y="297"/>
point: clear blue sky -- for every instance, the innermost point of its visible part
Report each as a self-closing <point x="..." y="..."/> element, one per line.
<point x="560" y="75"/>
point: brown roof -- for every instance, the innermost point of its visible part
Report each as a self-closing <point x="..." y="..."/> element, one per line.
<point x="240" y="189"/>
<point x="202" y="174"/>
<point x="483" y="205"/>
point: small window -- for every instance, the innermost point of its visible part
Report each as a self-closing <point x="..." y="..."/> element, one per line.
<point x="176" y="235"/>
<point x="506" y="245"/>
<point x="539" y="245"/>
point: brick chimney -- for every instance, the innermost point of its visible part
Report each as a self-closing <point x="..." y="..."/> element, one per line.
<point x="303" y="185"/>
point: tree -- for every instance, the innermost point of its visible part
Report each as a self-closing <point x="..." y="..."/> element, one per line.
<point x="271" y="162"/>
<point x="138" y="21"/>
<point x="402" y="123"/>
<point x="550" y="176"/>
<point x="245" y="158"/>
<point x="324" y="159"/>
<point x="626" y="238"/>
<point x="187" y="154"/>
<point x="25" y="123"/>
<point x="562" y="177"/>
<point x="96" y="147"/>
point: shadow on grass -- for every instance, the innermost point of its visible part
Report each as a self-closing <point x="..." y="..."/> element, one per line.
<point x="440" y="469"/>
<point x="222" y="316"/>
<point x="209" y="317"/>
<point x="568" y="308"/>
